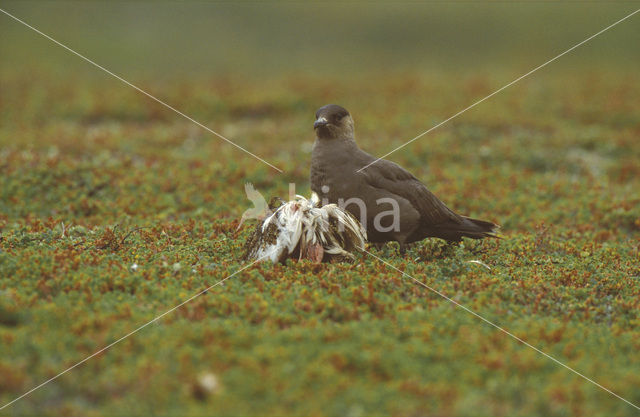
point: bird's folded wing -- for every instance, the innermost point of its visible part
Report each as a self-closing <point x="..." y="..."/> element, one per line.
<point x="393" y="178"/>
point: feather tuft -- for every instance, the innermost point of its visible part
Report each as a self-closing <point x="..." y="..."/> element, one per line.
<point x="303" y="229"/>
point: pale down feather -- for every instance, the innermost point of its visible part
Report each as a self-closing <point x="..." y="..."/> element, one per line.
<point x="302" y="229"/>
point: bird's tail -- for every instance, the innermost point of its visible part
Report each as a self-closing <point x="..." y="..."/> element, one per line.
<point x="471" y="228"/>
<point x="479" y="229"/>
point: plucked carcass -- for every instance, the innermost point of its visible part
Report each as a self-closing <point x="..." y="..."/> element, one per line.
<point x="302" y="229"/>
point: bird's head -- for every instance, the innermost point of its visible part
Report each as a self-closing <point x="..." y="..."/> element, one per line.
<point x="333" y="122"/>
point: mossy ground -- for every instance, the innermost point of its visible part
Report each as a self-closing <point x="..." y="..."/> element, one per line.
<point x="96" y="178"/>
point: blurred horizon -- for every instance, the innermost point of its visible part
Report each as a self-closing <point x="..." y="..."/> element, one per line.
<point x="278" y="39"/>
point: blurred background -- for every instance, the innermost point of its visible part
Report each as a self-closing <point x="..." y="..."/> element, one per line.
<point x="176" y="39"/>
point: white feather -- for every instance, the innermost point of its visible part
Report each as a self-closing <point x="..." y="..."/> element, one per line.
<point x="301" y="223"/>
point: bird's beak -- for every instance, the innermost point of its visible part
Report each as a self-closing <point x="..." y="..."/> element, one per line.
<point x="321" y="121"/>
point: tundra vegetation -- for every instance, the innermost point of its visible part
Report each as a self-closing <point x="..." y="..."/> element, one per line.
<point x="114" y="209"/>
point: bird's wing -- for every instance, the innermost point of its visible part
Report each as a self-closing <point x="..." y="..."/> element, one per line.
<point x="391" y="177"/>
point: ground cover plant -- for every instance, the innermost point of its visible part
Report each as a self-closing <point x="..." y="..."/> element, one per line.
<point x="113" y="210"/>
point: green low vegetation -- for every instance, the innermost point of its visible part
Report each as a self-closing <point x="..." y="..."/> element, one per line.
<point x="114" y="209"/>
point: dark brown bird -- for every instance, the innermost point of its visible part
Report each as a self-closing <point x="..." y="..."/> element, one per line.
<point x="397" y="206"/>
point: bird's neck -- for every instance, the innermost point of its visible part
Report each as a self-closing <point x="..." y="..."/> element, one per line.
<point x="347" y="141"/>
